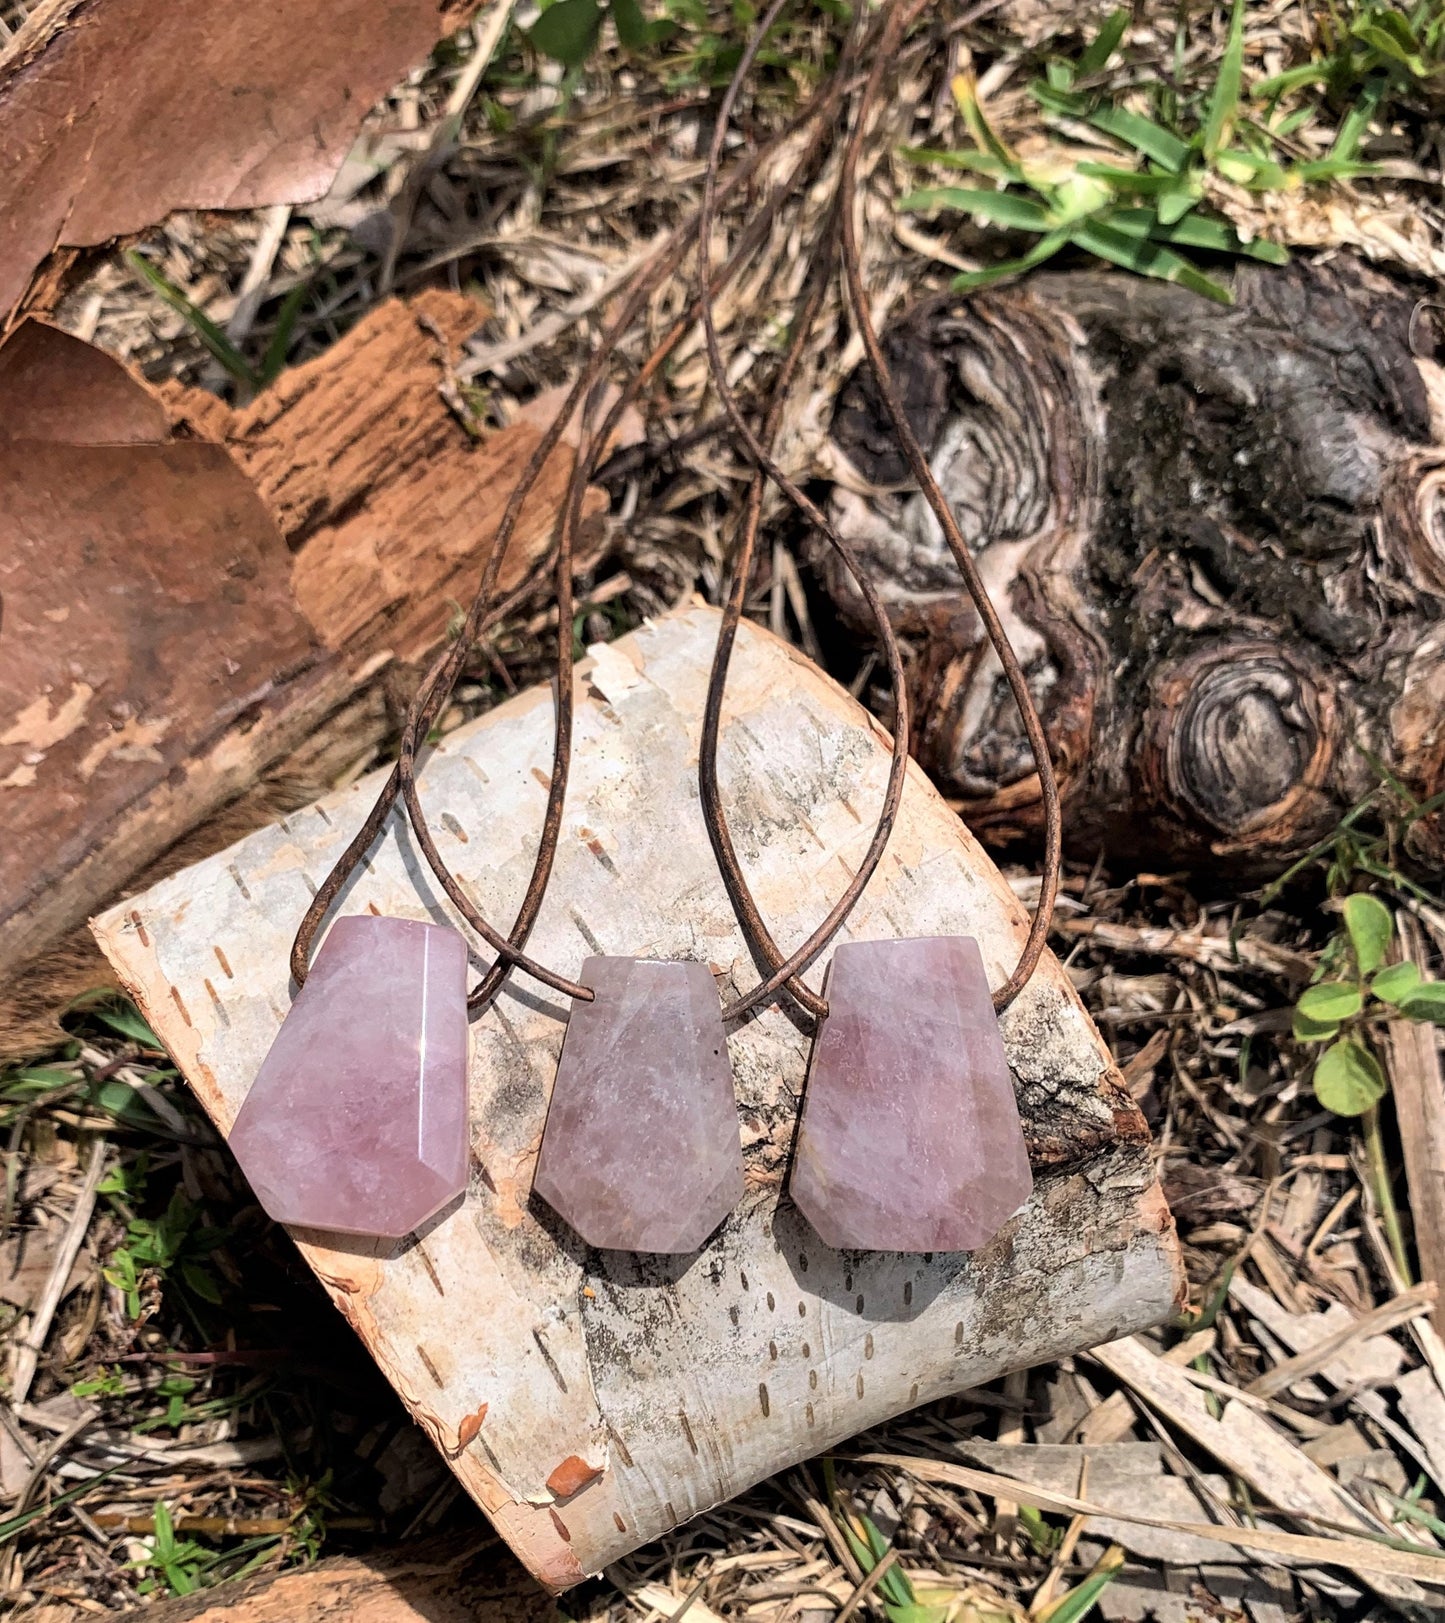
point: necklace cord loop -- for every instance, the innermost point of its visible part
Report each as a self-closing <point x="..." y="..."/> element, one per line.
<point x="440" y="680"/>
<point x="445" y="671"/>
<point x="784" y="971"/>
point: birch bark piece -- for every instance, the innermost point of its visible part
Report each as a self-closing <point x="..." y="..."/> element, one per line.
<point x="591" y="1401"/>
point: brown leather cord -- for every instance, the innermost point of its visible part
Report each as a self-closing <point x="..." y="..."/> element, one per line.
<point x="784" y="971"/>
<point x="440" y="680"/>
<point x="570" y="517"/>
<point x="884" y="53"/>
<point x="898" y="18"/>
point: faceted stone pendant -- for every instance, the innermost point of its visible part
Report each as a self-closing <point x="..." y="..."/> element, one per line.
<point x="910" y="1138"/>
<point x="641" y="1150"/>
<point x="357" y="1119"/>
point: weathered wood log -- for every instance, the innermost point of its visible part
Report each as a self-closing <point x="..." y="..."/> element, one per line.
<point x="590" y="1401"/>
<point x="1220" y="539"/>
<point x="186" y="621"/>
<point x="434" y="1581"/>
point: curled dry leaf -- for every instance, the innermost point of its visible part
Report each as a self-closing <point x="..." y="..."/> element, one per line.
<point x="113" y="113"/>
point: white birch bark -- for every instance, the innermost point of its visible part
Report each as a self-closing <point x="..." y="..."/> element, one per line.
<point x="679" y="1381"/>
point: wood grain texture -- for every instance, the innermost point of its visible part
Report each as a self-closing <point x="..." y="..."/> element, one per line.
<point x="667" y="1385"/>
<point x="387" y="501"/>
<point x="1216" y="538"/>
<point x="1417" y="1087"/>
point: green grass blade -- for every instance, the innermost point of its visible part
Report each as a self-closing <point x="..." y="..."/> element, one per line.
<point x="1175" y="204"/>
<point x="1249" y="169"/>
<point x="1106" y="42"/>
<point x="1054" y="99"/>
<point x="205" y="329"/>
<point x="1224" y="103"/>
<point x="1197" y="231"/>
<point x="978" y="163"/>
<point x="15" y="1525"/>
<point x="965" y="94"/>
<point x="1385" y="42"/>
<point x="1128" y="180"/>
<point x="1147" y="258"/>
<point x="1143" y="134"/>
<point x="1357" y="121"/>
<point x="274" y="359"/>
<point x="1080" y="1601"/>
<point x="1309" y="174"/>
<point x="999" y="208"/>
<point x="1045" y="248"/>
<point x="1308" y="73"/>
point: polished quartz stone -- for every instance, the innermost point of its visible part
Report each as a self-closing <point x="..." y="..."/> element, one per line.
<point x="641" y="1149"/>
<point x="357" y="1119"/>
<point x="910" y="1138"/>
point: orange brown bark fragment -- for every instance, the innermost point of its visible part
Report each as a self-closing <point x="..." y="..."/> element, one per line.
<point x="571" y="1476"/>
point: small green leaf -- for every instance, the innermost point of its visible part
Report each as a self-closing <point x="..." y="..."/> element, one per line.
<point x="1395" y="983"/>
<point x="1000" y="208"/>
<point x="1331" y="1000"/>
<point x="631" y="25"/>
<point x="567" y="30"/>
<point x="1305" y="1030"/>
<point x="634" y="30"/>
<point x="1371" y="926"/>
<point x="119" y="1099"/>
<point x="120" y="1015"/>
<point x="1426" y="1002"/>
<point x="201" y="1282"/>
<point x="1348" y="1078"/>
<point x="1106" y="42"/>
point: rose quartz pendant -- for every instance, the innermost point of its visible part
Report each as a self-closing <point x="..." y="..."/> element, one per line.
<point x="641" y="1149"/>
<point x="910" y="1138"/>
<point x="357" y="1119"/>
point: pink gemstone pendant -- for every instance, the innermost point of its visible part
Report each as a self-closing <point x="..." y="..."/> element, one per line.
<point x="910" y="1138"/>
<point x="641" y="1149"/>
<point x="357" y="1119"/>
